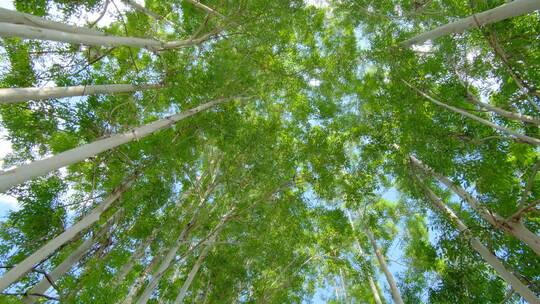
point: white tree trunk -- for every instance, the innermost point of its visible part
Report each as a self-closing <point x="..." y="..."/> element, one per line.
<point x="489" y="257"/>
<point x="133" y="259"/>
<point x="505" y="11"/>
<point x="69" y="234"/>
<point x="139" y="281"/>
<point x="374" y="290"/>
<point x="171" y="254"/>
<point x="504" y="113"/>
<point x="42" y="286"/>
<point x="372" y="284"/>
<point x="210" y="243"/>
<point x="9" y="16"/>
<point x="41" y="167"/>
<point x="396" y="295"/>
<point x="11" y="95"/>
<point x="516" y="229"/>
<point x="525" y="138"/>
<point x="32" y="32"/>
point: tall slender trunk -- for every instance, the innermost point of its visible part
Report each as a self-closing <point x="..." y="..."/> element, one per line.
<point x="505" y="11"/>
<point x="489" y="257"/>
<point x="139" y="281"/>
<point x="504" y="113"/>
<point x="42" y="286"/>
<point x="41" y="167"/>
<point x="171" y="254"/>
<point x="46" y="250"/>
<point x="372" y="283"/>
<point x="374" y="290"/>
<point x="14" y="17"/>
<point x="396" y="295"/>
<point x="40" y="33"/>
<point x="12" y="95"/>
<point x="133" y="259"/>
<point x="210" y="243"/>
<point x="514" y="228"/>
<point x="525" y="138"/>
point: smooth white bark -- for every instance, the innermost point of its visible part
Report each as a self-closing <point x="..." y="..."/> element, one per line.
<point x="372" y="284"/>
<point x="505" y="11"/>
<point x="42" y="286"/>
<point x="32" y="32"/>
<point x="514" y="228"/>
<point x="525" y="138"/>
<point x="396" y="295"/>
<point x="210" y="243"/>
<point x="137" y="284"/>
<point x="489" y="257"/>
<point x="171" y="254"/>
<point x="69" y="234"/>
<point x="41" y="167"/>
<point x="133" y="259"/>
<point x="9" y="16"/>
<point x="12" y="95"/>
<point x="504" y="113"/>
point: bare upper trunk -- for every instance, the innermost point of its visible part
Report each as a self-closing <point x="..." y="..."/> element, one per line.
<point x="396" y="295"/>
<point x="41" y="167"/>
<point x="12" y="95"/>
<point x="46" y="250"/>
<point x="489" y="257"/>
<point x="9" y="16"/>
<point x="505" y="11"/>
<point x="525" y="138"/>
<point x="514" y="228"/>
<point x="42" y="286"/>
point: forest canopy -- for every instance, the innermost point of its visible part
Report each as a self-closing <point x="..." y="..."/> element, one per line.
<point x="254" y="151"/>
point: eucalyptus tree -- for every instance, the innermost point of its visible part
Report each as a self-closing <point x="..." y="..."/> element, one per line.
<point x="247" y="201"/>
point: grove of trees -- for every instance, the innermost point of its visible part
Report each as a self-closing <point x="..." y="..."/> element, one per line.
<point x="241" y="151"/>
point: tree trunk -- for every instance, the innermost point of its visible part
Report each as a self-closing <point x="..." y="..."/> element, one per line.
<point x="516" y="229"/>
<point x="133" y="259"/>
<point x="171" y="254"/>
<point x="41" y="33"/>
<point x="396" y="295"/>
<point x="14" y="17"/>
<point x="41" y="167"/>
<point x="139" y="281"/>
<point x="372" y="284"/>
<point x="42" y="286"/>
<point x="210" y="243"/>
<point x="38" y="33"/>
<point x="12" y="95"/>
<point x="374" y="290"/>
<point x="525" y="138"/>
<point x="504" y="113"/>
<point x="42" y="253"/>
<point x="505" y="11"/>
<point x="489" y="257"/>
